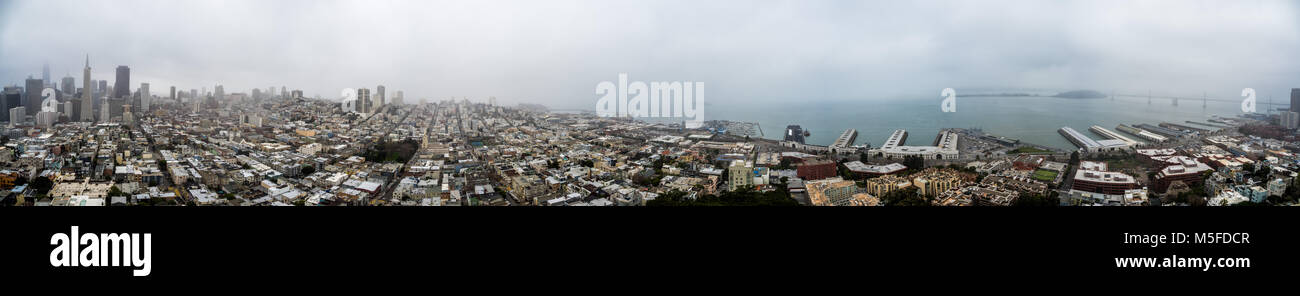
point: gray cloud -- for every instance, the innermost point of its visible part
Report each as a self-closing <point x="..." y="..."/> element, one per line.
<point x="555" y="52"/>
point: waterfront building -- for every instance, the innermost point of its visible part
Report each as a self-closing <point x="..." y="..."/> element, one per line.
<point x="1145" y="135"/>
<point x="794" y="133"/>
<point x="945" y="147"/>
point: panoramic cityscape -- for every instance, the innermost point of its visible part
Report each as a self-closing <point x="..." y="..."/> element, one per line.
<point x="286" y="108"/>
<point x="108" y="141"/>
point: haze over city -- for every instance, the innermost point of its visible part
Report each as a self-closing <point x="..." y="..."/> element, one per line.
<point x="554" y="52"/>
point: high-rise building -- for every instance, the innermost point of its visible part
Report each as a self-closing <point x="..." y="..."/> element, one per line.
<point x="363" y="100"/>
<point x="45" y="75"/>
<point x="127" y="118"/>
<point x="1295" y="100"/>
<point x="1290" y="119"/>
<point x="297" y="94"/>
<point x="104" y="113"/>
<point x="145" y="98"/>
<point x="10" y="98"/>
<point x="33" y="89"/>
<point x="397" y="99"/>
<point x="17" y="115"/>
<point x="87" y="112"/>
<point x="173" y="94"/>
<point x="46" y="119"/>
<point x="122" y="86"/>
<point x="69" y="85"/>
<point x="379" y="93"/>
<point x="115" y="107"/>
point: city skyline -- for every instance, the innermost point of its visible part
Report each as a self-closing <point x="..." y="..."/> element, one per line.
<point x="766" y="53"/>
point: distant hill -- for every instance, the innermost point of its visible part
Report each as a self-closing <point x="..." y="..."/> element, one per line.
<point x="1081" y="94"/>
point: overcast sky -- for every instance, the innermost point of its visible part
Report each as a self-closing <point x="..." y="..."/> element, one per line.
<point x="555" y="52"/>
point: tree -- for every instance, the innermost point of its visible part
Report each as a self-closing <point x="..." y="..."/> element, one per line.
<point x="308" y="170"/>
<point x="1052" y="199"/>
<point x="1074" y="158"/>
<point x="114" y="191"/>
<point x="904" y="197"/>
<point x="42" y="184"/>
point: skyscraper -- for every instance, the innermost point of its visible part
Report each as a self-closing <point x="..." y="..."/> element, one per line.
<point x="379" y="93"/>
<point x="145" y="97"/>
<point x="45" y="75"/>
<point x="397" y="98"/>
<point x="1295" y="100"/>
<point x="173" y="94"/>
<point x="363" y="100"/>
<point x="122" y="86"/>
<point x="69" y="85"/>
<point x="87" y="100"/>
<point x="11" y="98"/>
<point x="33" y="102"/>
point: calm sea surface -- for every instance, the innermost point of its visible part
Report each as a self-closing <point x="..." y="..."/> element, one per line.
<point x="1030" y="119"/>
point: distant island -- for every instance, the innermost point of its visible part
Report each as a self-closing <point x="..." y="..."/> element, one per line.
<point x="1081" y="94"/>
<point x="1077" y="94"/>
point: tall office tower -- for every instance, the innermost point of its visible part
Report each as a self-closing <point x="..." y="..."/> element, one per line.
<point x="173" y="94"/>
<point x="397" y="98"/>
<point x="1295" y="100"/>
<point x="127" y="118"/>
<point x="194" y="94"/>
<point x="379" y="93"/>
<point x="87" y="101"/>
<point x="33" y="102"/>
<point x="69" y="85"/>
<point x="17" y="115"/>
<point x="1290" y="119"/>
<point x="104" y="113"/>
<point x="145" y="98"/>
<point x="103" y="88"/>
<point x="363" y="100"/>
<point x="284" y="92"/>
<point x="257" y="94"/>
<point x="115" y="106"/>
<point x="10" y="98"/>
<point x="45" y="75"/>
<point x="46" y="119"/>
<point x="219" y="92"/>
<point x="198" y="103"/>
<point x="122" y="87"/>
<point x="297" y="94"/>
